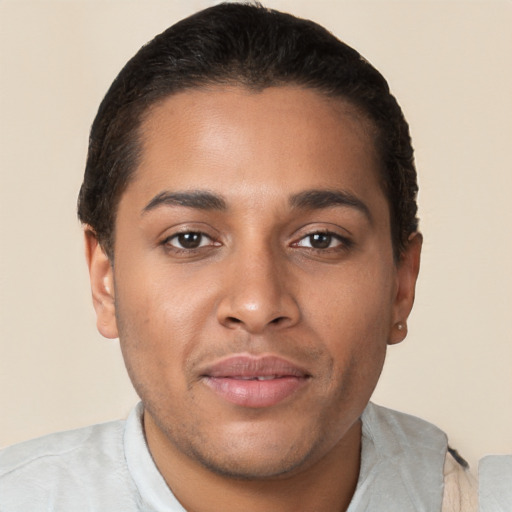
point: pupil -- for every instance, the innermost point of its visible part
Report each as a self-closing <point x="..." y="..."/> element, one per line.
<point x="189" y="240"/>
<point x="320" y="240"/>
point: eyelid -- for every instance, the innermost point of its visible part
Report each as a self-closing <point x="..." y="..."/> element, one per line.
<point x="341" y="240"/>
<point x="187" y="227"/>
<point x="327" y="228"/>
<point x="344" y="242"/>
<point x="172" y="233"/>
<point x="167" y="241"/>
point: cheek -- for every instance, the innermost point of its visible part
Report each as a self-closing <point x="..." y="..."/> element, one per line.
<point x="161" y="302"/>
<point x="354" y="302"/>
<point x="352" y="315"/>
<point x="158" y="323"/>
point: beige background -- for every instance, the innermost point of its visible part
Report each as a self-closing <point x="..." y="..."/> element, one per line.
<point x="449" y="64"/>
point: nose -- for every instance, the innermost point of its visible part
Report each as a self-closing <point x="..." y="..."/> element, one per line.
<point x="257" y="294"/>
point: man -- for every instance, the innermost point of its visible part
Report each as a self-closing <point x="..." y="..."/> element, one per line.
<point x="249" y="209"/>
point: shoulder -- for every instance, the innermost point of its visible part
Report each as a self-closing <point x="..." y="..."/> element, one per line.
<point x="495" y="483"/>
<point x="397" y="429"/>
<point x="66" y="465"/>
<point x="411" y="456"/>
<point x="422" y="450"/>
<point x="61" y="448"/>
<point x="402" y="460"/>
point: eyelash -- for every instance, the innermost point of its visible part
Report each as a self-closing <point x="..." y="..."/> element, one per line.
<point x="190" y="250"/>
<point x="344" y="243"/>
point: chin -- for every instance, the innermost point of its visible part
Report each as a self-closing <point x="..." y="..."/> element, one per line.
<point x="252" y="466"/>
<point x="258" y="454"/>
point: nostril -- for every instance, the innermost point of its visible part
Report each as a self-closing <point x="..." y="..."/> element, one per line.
<point x="278" y="320"/>
<point x="233" y="320"/>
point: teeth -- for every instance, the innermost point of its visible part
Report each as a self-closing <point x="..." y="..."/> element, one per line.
<point x="267" y="377"/>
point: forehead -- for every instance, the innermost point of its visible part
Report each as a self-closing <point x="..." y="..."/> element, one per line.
<point x="280" y="138"/>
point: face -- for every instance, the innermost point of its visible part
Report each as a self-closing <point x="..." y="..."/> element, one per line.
<point x="254" y="289"/>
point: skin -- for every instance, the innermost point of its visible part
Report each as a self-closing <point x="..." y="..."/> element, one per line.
<point x="259" y="283"/>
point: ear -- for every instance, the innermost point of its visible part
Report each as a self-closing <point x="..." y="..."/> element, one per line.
<point x="102" y="285"/>
<point x="407" y="273"/>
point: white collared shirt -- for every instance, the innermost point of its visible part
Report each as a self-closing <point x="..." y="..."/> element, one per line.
<point x="108" y="467"/>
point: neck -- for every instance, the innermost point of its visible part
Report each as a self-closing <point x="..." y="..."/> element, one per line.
<point x="326" y="484"/>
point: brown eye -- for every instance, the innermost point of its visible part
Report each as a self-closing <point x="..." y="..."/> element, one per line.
<point x="323" y="241"/>
<point x="190" y="240"/>
<point x="320" y="240"/>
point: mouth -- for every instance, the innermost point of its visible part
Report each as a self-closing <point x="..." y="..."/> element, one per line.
<point x="255" y="381"/>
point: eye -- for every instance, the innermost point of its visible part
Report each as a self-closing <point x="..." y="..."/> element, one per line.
<point x="322" y="241"/>
<point x="188" y="241"/>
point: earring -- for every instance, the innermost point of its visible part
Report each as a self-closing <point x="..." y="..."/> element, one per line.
<point x="400" y="326"/>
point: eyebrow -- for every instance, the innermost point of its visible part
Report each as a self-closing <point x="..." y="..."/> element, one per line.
<point x="307" y="200"/>
<point x="319" y="199"/>
<point x="199" y="199"/>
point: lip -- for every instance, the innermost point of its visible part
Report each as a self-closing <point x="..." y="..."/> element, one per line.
<point x="254" y="381"/>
